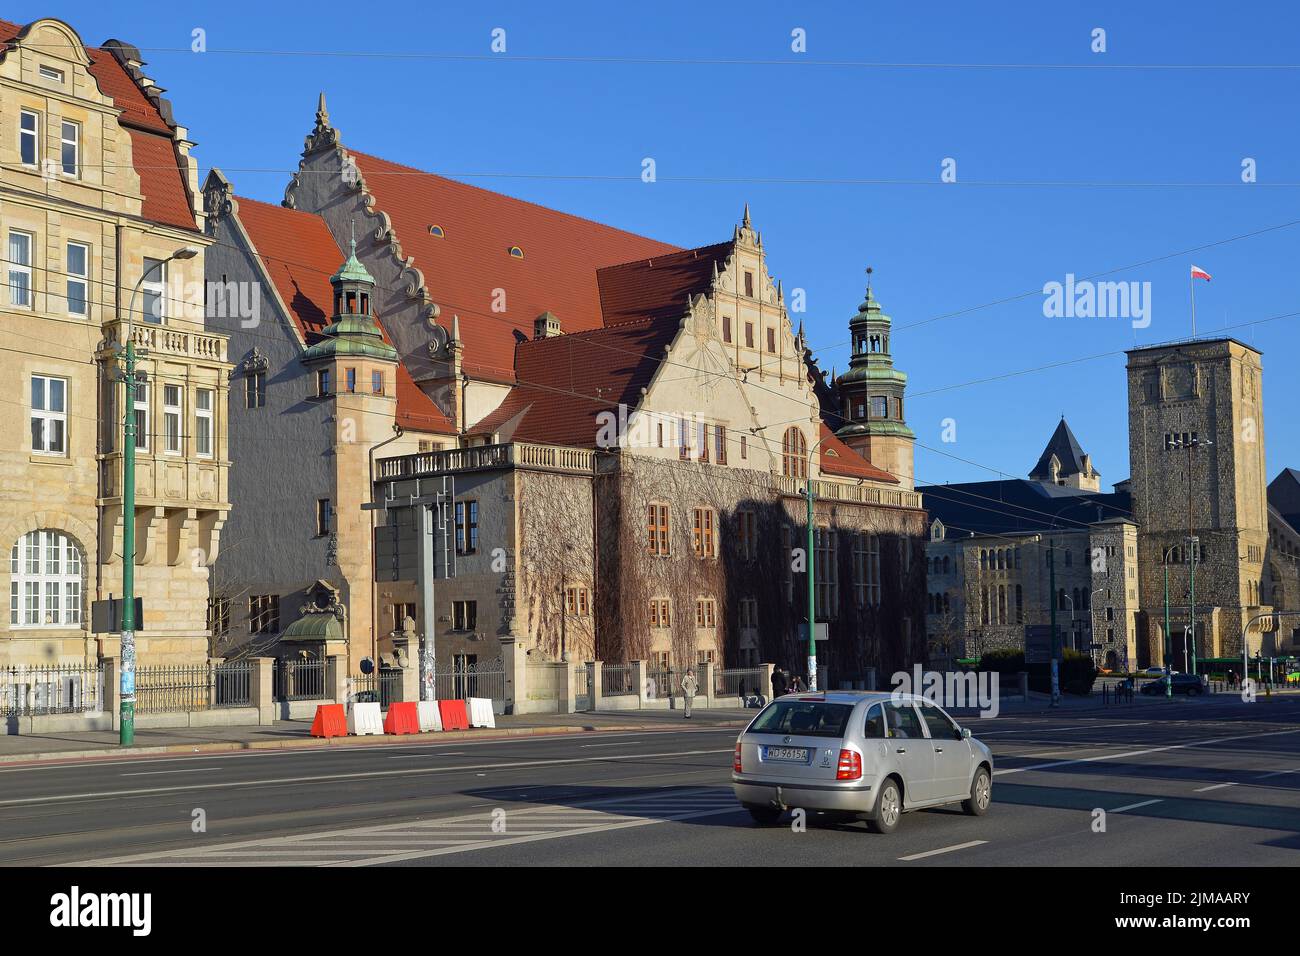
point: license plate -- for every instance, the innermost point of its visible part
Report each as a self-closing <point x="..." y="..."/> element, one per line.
<point x="793" y="754"/>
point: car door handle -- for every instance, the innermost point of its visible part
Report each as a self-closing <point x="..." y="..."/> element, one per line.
<point x="938" y="750"/>
<point x="902" y="750"/>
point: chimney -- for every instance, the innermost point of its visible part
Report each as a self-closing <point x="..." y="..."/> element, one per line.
<point x="546" y="326"/>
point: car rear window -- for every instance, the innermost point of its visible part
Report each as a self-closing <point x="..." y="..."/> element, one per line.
<point x="805" y="718"/>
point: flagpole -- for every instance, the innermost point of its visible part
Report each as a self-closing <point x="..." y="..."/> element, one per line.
<point x="1191" y="285"/>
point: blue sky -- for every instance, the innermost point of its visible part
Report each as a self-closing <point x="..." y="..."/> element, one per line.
<point x="936" y="248"/>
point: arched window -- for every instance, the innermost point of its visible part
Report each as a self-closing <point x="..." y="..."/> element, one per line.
<point x="45" y="581"/>
<point x="794" y="454"/>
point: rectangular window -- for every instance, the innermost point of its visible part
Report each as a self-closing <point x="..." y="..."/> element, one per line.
<point x="879" y="406"/>
<point x="153" y="290"/>
<point x="50" y="73"/>
<point x="464" y="615"/>
<point x="660" y="613"/>
<point x="576" y="602"/>
<point x="219" y="616"/>
<point x="466" y="527"/>
<point x="203" y="422"/>
<point x="702" y="532"/>
<point x="255" y="389"/>
<point x="20" y="269"/>
<point x="323" y="383"/>
<point x="747" y="534"/>
<point x="866" y="569"/>
<point x="726" y="328"/>
<point x="771" y="340"/>
<point x="70" y="148"/>
<point x="748" y="613"/>
<point x="49" y="415"/>
<point x="658" y="528"/>
<point x="28" y="136"/>
<point x="264" y="613"/>
<point x="827" y="577"/>
<point x="78" y="278"/>
<point x="703" y="437"/>
<point x="376" y="382"/>
<point x="172" y="419"/>
<point x="322" y="517"/>
<point x="683" y="439"/>
<point x="744" y="447"/>
<point x="749" y="335"/>
<point x="720" y="444"/>
<point x="705" y="613"/>
<point x="350" y="380"/>
<point x="749" y="284"/>
<point x="400" y="612"/>
<point x="140" y="409"/>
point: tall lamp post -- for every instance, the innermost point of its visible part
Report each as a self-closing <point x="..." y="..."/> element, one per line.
<point x="126" y="732"/>
<point x="1193" y="543"/>
<point x="812" y="575"/>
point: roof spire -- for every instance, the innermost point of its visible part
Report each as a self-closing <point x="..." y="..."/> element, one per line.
<point x="745" y="222"/>
<point x="322" y="114"/>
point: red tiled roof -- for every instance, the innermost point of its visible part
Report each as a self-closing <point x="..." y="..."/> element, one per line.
<point x="657" y="287"/>
<point x="153" y="151"/>
<point x="557" y="273"/>
<point x="847" y="463"/>
<point x="299" y="254"/>
<point x="567" y="380"/>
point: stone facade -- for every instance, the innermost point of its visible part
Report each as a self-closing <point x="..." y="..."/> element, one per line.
<point x="79" y="220"/>
<point x="1196" y="449"/>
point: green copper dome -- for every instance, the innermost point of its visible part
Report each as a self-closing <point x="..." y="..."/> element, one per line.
<point x="352" y="330"/>
<point x="352" y="270"/>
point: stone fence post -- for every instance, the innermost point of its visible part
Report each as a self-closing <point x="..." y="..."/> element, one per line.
<point x="261" y="690"/>
<point x="336" y="671"/>
<point x="568" y="687"/>
<point x="638" y="681"/>
<point x="704" y="683"/>
<point x="596" y="683"/>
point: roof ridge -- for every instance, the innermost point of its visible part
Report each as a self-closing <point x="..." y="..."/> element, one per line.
<point x="525" y="202"/>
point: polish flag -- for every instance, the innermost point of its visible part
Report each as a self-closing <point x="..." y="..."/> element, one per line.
<point x="1199" y="273"/>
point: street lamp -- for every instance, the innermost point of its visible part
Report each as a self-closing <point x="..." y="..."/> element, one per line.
<point x="812" y="576"/>
<point x="126" y="732"/>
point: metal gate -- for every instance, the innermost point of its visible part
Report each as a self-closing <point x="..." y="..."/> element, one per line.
<point x="582" y="690"/>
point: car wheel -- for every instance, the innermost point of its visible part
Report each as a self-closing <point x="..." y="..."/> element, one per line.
<point x="764" y="815"/>
<point x="889" y="807"/>
<point x="1195" y="690"/>
<point x="981" y="794"/>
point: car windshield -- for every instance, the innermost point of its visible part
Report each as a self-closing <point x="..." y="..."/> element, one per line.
<point x="805" y="718"/>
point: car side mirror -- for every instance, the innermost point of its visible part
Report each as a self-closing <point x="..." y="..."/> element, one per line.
<point x="965" y="733"/>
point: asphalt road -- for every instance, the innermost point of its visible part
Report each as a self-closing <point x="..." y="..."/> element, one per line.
<point x="1197" y="783"/>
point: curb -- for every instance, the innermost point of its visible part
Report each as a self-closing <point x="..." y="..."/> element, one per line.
<point x="313" y="743"/>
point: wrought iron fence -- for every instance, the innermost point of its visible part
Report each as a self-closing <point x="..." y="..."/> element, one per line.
<point x="381" y="687"/>
<point x="472" y="680"/>
<point x="663" y="682"/>
<point x="740" y="682"/>
<point x="617" y="680"/>
<point x="301" y="680"/>
<point x="233" y="684"/>
<point x="58" y="689"/>
<point x="173" y="689"/>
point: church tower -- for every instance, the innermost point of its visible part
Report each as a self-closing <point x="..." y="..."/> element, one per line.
<point x="870" y="396"/>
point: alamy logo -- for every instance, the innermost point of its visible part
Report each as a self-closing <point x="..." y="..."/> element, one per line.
<point x="1085" y="299"/>
<point x="75" y="909"/>
<point x="972" y="689"/>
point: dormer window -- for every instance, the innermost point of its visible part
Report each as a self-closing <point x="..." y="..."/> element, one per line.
<point x="437" y="231"/>
<point x="516" y="252"/>
<point x="50" y="73"/>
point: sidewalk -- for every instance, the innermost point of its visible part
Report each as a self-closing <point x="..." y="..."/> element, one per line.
<point x="296" y="735"/>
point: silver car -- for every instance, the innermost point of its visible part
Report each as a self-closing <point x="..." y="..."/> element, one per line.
<point x="871" y="755"/>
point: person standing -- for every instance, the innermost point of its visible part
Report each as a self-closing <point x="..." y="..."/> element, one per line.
<point x="689" y="687"/>
<point x="778" y="683"/>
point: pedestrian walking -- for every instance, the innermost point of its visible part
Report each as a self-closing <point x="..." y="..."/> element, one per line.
<point x="779" y="683"/>
<point x="689" y="687"/>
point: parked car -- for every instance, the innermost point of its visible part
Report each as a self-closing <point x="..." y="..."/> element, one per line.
<point x="1192" y="684"/>
<point x="869" y="755"/>
<point x="1154" y="672"/>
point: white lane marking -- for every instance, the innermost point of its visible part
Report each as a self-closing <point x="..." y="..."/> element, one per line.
<point x="1217" y="786"/>
<point x="1062" y="730"/>
<point x="1140" y="753"/>
<point x="946" y="849"/>
<point x="155" y="773"/>
<point x="456" y="753"/>
<point x="1278" y="773"/>
<point x="73" y="762"/>
<point x="1133" y="806"/>
<point x="277" y="781"/>
<point x="446" y="835"/>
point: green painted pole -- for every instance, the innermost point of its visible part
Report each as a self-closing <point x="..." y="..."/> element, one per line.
<point x="126" y="734"/>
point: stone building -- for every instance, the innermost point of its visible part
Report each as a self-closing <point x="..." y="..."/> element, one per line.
<point x="1196" y="452"/>
<point x="1002" y="554"/>
<point x="317" y="389"/>
<point x="100" y="195"/>
<point x="1282" y="569"/>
